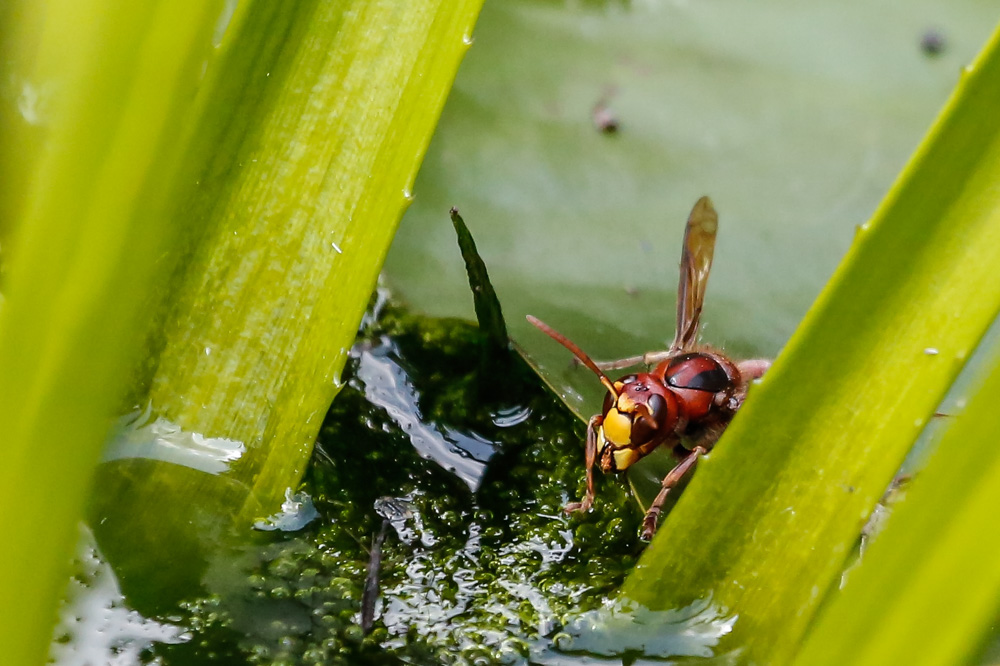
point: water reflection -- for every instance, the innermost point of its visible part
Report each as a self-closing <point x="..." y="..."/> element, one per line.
<point x="297" y="511"/>
<point x="489" y="576"/>
<point x="511" y="416"/>
<point x="634" y="634"/>
<point x="388" y="385"/>
<point x="140" y="435"/>
<point x="95" y="625"/>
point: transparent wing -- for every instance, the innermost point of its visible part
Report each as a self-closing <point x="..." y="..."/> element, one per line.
<point x="696" y="262"/>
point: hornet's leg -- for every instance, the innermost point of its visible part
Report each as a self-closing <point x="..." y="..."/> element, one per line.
<point x="588" y="500"/>
<point x="753" y="368"/>
<point x="669" y="481"/>
<point x="749" y="371"/>
<point x="649" y="358"/>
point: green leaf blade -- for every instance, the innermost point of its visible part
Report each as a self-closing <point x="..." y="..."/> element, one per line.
<point x="489" y="314"/>
<point x="926" y="589"/>
<point x="78" y="265"/>
<point x="286" y="269"/>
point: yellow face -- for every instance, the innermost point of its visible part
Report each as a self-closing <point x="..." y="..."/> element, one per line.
<point x="614" y="438"/>
<point x="618" y="428"/>
<point x="617" y="432"/>
<point x="618" y="418"/>
<point x="625" y="457"/>
<point x="638" y="415"/>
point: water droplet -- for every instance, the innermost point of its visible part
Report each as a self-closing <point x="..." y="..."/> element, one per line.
<point x="467" y="39"/>
<point x="931" y="351"/>
<point x="208" y="351"/>
<point x="336" y="247"/>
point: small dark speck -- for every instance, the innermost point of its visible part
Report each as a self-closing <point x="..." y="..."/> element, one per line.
<point x="932" y="42"/>
<point x="851" y="489"/>
<point x="605" y="119"/>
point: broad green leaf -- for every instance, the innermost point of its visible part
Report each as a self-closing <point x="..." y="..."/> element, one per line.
<point x="765" y="526"/>
<point x="246" y="170"/>
<point x="308" y="168"/>
<point x="794" y="117"/>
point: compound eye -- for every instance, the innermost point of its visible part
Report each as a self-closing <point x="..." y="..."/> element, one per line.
<point x="658" y="408"/>
<point x="644" y="429"/>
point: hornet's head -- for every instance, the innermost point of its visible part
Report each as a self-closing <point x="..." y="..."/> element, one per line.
<point x="640" y="412"/>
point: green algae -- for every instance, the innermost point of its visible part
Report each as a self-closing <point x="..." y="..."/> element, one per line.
<point x="485" y="568"/>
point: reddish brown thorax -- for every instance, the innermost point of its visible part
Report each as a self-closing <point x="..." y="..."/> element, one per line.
<point x="698" y="378"/>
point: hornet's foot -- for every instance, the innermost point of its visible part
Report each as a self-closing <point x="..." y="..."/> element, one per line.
<point x="582" y="507"/>
<point x="649" y="524"/>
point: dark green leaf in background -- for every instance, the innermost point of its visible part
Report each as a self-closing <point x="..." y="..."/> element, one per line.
<point x="794" y="117"/>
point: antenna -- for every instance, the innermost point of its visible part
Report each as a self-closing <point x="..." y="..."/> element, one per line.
<point x="576" y="351"/>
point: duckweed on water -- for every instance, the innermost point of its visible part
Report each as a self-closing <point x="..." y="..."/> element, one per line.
<point x="481" y="565"/>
